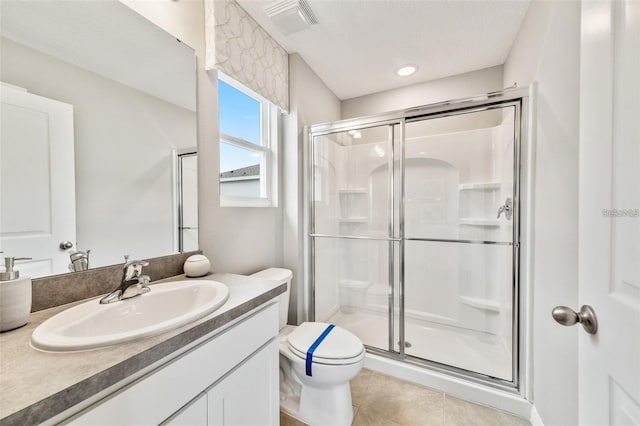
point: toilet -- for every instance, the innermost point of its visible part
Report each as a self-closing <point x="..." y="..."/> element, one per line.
<point x="317" y="361"/>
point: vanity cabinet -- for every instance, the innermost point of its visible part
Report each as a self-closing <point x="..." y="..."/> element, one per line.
<point x="194" y="413"/>
<point x="240" y="398"/>
<point x="229" y="378"/>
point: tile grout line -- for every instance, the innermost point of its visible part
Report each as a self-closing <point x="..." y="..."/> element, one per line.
<point x="444" y="407"/>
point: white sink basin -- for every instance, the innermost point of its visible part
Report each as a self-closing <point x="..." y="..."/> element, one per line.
<point x="93" y="325"/>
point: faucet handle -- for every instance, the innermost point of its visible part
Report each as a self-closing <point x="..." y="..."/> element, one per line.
<point x="133" y="268"/>
<point x="136" y="263"/>
<point x="506" y="208"/>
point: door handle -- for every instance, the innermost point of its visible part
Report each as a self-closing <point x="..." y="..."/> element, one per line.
<point x="506" y="208"/>
<point x="66" y="245"/>
<point x="567" y="316"/>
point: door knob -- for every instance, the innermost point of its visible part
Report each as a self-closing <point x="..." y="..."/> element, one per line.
<point x="567" y="316"/>
<point x="66" y="245"/>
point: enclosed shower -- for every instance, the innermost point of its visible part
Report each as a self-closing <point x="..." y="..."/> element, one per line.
<point x="415" y="232"/>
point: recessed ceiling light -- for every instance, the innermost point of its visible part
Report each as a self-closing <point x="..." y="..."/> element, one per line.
<point x="406" y="70"/>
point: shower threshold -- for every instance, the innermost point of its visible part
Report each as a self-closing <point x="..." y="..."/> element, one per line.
<point x="463" y="348"/>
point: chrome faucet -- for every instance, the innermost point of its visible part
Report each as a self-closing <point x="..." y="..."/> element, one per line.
<point x="79" y="261"/>
<point x="133" y="282"/>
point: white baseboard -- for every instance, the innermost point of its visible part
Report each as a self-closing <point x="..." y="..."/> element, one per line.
<point x="535" y="418"/>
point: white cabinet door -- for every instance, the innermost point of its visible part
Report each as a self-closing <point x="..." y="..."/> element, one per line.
<point x="36" y="152"/>
<point x="157" y="396"/>
<point x="609" y="256"/>
<point x="249" y="395"/>
<point x="193" y="414"/>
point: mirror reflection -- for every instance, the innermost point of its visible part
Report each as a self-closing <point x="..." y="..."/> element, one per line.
<point x="98" y="137"/>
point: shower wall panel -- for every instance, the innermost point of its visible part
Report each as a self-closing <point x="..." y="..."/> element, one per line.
<point x="352" y="279"/>
<point x="344" y="195"/>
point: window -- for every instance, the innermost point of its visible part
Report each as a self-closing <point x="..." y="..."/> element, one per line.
<point x="248" y="146"/>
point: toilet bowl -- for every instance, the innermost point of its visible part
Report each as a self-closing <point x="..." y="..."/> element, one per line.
<point x="317" y="361"/>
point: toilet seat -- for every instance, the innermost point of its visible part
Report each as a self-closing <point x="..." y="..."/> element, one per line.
<point x="339" y="346"/>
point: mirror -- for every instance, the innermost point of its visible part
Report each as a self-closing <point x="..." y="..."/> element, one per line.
<point x="98" y="136"/>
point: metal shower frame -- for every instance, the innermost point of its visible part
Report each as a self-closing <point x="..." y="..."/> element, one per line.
<point x="520" y="99"/>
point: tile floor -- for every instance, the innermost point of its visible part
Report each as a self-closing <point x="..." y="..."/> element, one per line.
<point x="380" y="400"/>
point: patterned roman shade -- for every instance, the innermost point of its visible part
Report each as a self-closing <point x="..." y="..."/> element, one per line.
<point x="238" y="46"/>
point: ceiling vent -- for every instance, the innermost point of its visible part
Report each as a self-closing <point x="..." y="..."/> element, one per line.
<point x="291" y="16"/>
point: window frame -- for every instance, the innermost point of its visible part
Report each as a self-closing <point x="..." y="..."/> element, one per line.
<point x="267" y="147"/>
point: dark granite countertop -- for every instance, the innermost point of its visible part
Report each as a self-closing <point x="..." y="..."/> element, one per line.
<point x="36" y="385"/>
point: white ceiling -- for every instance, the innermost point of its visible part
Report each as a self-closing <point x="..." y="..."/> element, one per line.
<point x="358" y="44"/>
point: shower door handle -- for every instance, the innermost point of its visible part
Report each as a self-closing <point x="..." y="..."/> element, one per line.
<point x="506" y="208"/>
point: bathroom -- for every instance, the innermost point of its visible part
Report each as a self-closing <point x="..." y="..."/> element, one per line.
<point x="550" y="49"/>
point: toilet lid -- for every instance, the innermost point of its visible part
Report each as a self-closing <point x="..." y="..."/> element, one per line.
<point x="339" y="345"/>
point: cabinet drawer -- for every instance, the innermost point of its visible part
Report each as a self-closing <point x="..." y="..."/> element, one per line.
<point x="156" y="396"/>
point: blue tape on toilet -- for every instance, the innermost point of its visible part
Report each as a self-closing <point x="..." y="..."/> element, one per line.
<point x="315" y="345"/>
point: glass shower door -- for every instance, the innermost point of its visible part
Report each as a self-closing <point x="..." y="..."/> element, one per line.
<point x="352" y="231"/>
<point x="459" y="225"/>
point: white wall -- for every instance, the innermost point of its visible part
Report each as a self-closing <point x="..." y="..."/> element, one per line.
<point x="311" y="102"/>
<point x="123" y="154"/>
<point x="240" y="240"/>
<point x="454" y="87"/>
<point x="547" y="51"/>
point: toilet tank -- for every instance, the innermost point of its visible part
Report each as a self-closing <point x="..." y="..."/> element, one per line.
<point x="282" y="276"/>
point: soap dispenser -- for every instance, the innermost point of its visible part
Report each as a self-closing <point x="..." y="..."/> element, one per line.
<point x="15" y="296"/>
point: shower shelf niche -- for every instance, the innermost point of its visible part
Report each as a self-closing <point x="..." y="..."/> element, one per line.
<point x="487" y="186"/>
<point x="354" y="219"/>
<point x="355" y="284"/>
<point x="363" y="191"/>
<point x="476" y="302"/>
<point x="354" y="205"/>
<point x="478" y="199"/>
<point x="479" y="222"/>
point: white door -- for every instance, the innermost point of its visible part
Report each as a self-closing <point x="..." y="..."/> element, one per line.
<point x="37" y="181"/>
<point x="186" y="182"/>
<point x="609" y="226"/>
